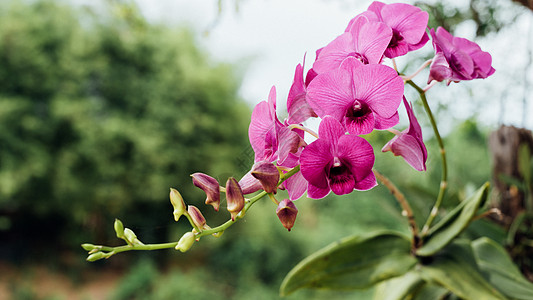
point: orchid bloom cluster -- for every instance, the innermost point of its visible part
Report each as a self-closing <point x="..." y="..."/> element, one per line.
<point x="353" y="91"/>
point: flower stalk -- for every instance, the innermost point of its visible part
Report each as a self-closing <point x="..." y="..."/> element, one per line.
<point x="107" y="251"/>
<point x="444" y="178"/>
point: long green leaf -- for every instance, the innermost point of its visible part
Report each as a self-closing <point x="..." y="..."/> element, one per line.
<point x="454" y="223"/>
<point x="455" y="268"/>
<point x="355" y="262"/>
<point x="500" y="270"/>
<point x="398" y="288"/>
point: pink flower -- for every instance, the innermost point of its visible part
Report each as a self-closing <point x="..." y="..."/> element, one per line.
<point x="264" y="128"/>
<point x="457" y="59"/>
<point x="408" y="24"/>
<point x="361" y="97"/>
<point x="409" y="143"/>
<point x="337" y="162"/>
<point x="364" y="40"/>
<point x="297" y="106"/>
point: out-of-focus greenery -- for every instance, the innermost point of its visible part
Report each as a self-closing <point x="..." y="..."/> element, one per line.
<point x="101" y="113"/>
<point x="99" y="116"/>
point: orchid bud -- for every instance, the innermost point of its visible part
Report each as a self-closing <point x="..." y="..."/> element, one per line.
<point x="119" y="228"/>
<point x="267" y="174"/>
<point x="131" y="237"/>
<point x="177" y="203"/>
<point x="287" y="212"/>
<point x="196" y="216"/>
<point x="89" y="247"/>
<point x="186" y="241"/>
<point x="96" y="256"/>
<point x="234" y="197"/>
<point x="210" y="186"/>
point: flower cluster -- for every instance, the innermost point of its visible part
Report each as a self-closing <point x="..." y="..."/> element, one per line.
<point x="353" y="91"/>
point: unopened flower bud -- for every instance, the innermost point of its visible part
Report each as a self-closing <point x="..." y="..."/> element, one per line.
<point x="177" y="203"/>
<point x="89" y="247"/>
<point x="196" y="216"/>
<point x="234" y="197"/>
<point x="131" y="237"/>
<point x="210" y="186"/>
<point x="287" y="212"/>
<point x="267" y="174"/>
<point x="186" y="241"/>
<point x="96" y="256"/>
<point x="119" y="228"/>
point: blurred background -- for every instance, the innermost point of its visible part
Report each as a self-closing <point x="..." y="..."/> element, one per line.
<point x="105" y="105"/>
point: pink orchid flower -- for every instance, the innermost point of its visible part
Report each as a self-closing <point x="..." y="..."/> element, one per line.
<point x="337" y="162"/>
<point x="409" y="144"/>
<point x="365" y="40"/>
<point x="408" y="24"/>
<point x="457" y="59"/>
<point x="361" y="97"/>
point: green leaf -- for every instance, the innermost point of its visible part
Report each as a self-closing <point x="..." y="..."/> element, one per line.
<point x="356" y="262"/>
<point x="400" y="287"/>
<point x="500" y="270"/>
<point x="453" y="223"/>
<point x="455" y="268"/>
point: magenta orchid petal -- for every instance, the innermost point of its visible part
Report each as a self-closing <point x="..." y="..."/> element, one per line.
<point x="409" y="144"/>
<point x="386" y="123"/>
<point x="330" y="131"/>
<point x="408" y="24"/>
<point x="372" y="40"/>
<point x="315" y="192"/>
<point x="297" y="106"/>
<point x="408" y="20"/>
<point x="439" y="69"/>
<point x="315" y="158"/>
<point x="290" y="142"/>
<point x="367" y="183"/>
<point x="457" y="59"/>
<point x="334" y="53"/>
<point x="341" y="180"/>
<point x="380" y="87"/>
<point x="363" y="123"/>
<point x="354" y="93"/>
<point x="330" y="94"/>
<point x="359" y="153"/>
<point x="249" y="184"/>
<point x="296" y="186"/>
<point x="335" y="161"/>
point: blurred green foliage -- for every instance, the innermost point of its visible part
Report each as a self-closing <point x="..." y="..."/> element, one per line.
<point x="99" y="116"/>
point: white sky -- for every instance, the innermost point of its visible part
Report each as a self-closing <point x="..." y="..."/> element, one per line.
<point x="272" y="36"/>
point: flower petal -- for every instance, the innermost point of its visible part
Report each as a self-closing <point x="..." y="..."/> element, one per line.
<point x="358" y="154"/>
<point x="331" y="93"/>
<point x="315" y="192"/>
<point x="380" y="87"/>
<point x="314" y="160"/>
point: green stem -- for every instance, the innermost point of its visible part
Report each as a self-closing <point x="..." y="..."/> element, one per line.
<point x="114" y="250"/>
<point x="444" y="178"/>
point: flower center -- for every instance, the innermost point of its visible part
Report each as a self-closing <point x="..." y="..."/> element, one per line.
<point x="396" y="39"/>
<point x="359" y="57"/>
<point x="357" y="110"/>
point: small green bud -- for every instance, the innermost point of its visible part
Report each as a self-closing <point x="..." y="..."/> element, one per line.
<point x="186" y="241"/>
<point x="119" y="228"/>
<point x="88" y="247"/>
<point x="177" y="202"/>
<point x="131" y="238"/>
<point x="96" y="256"/>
